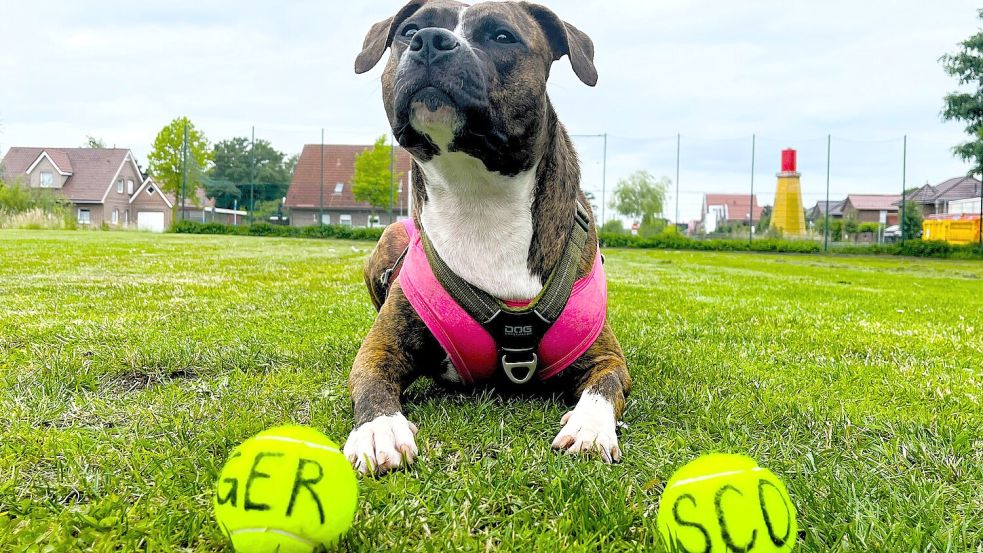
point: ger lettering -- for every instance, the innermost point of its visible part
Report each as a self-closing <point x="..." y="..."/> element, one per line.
<point x="250" y="502"/>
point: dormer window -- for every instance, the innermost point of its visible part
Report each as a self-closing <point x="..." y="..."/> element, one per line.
<point x="47" y="179"/>
<point x="339" y="187"/>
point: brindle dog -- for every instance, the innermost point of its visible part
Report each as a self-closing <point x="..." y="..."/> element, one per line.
<point x="495" y="186"/>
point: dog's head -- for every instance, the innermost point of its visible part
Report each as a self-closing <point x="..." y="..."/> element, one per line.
<point x="472" y="79"/>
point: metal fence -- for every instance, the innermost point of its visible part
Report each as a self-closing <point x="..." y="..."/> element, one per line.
<point x="832" y="167"/>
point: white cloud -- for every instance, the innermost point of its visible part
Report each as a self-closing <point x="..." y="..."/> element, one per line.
<point x="865" y="72"/>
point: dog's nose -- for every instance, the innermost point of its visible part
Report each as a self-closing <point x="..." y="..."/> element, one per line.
<point x="432" y="44"/>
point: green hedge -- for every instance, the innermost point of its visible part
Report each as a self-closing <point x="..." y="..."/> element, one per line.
<point x="665" y="241"/>
<point x="266" y="229"/>
<point x="679" y="242"/>
<point x="913" y="248"/>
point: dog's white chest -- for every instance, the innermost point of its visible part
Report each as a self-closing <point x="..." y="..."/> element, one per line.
<point x="480" y="223"/>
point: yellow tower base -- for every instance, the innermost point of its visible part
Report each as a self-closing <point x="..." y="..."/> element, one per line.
<point x="788" y="214"/>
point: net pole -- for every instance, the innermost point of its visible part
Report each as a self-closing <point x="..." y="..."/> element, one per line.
<point x="678" y="140"/>
<point x="320" y="220"/>
<point x="750" y="209"/>
<point x="829" y="144"/>
<point x="904" y="183"/>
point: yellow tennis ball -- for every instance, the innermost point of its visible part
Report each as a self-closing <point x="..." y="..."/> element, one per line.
<point x="288" y="489"/>
<point x="724" y="502"/>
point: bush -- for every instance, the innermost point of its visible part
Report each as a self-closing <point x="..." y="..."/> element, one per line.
<point x="24" y="207"/>
<point x="34" y="219"/>
<point x="926" y="248"/>
<point x="267" y="229"/>
<point x="652" y="228"/>
<point x="614" y="226"/>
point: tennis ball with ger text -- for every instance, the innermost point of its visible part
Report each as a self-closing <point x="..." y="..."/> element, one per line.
<point x="288" y="489"/>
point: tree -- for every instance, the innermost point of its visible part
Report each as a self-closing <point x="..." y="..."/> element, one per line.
<point x="226" y="194"/>
<point x="259" y="172"/>
<point x="967" y="66"/>
<point x="613" y="226"/>
<point x="93" y="142"/>
<point x="640" y="196"/>
<point x="373" y="180"/>
<point x="763" y="222"/>
<point x="164" y="161"/>
<point x="912" y="221"/>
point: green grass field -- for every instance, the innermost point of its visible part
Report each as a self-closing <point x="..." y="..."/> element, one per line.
<point x="131" y="364"/>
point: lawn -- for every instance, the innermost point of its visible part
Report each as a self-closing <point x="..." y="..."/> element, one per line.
<point x="131" y="364"/>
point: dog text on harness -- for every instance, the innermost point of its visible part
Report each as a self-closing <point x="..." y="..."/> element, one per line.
<point x="518" y="330"/>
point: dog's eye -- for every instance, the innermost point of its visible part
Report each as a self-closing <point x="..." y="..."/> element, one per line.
<point x="504" y="37"/>
<point x="409" y="30"/>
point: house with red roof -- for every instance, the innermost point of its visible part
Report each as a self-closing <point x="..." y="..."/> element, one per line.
<point x="721" y="209"/>
<point x="104" y="185"/>
<point x="322" y="183"/>
<point x="872" y="208"/>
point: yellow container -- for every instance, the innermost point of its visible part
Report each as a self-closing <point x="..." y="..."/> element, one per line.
<point x="955" y="231"/>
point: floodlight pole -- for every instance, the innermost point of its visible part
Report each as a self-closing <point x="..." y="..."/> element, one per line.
<point x="750" y="209"/>
<point x="904" y="184"/>
<point x="678" y="141"/>
<point x="252" y="174"/>
<point x="320" y="220"/>
<point x="829" y="142"/>
<point x="184" y="172"/>
<point x="392" y="177"/>
<point x="604" y="177"/>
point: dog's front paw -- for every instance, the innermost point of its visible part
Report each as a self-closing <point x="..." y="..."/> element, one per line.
<point x="382" y="444"/>
<point x="590" y="428"/>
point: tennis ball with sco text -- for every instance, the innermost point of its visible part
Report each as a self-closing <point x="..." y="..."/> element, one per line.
<point x="287" y="489"/>
<point x="723" y="503"/>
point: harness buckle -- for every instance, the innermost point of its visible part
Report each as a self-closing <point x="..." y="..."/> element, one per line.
<point x="529" y="365"/>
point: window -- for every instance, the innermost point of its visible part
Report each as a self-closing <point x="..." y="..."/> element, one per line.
<point x="345" y="220"/>
<point x="84" y="217"/>
<point x="119" y="186"/>
<point x="47" y="179"/>
<point x="116" y="216"/>
<point x="150" y="190"/>
<point x="129" y="186"/>
<point x="339" y="187"/>
<point x="126" y="218"/>
<point x="325" y="219"/>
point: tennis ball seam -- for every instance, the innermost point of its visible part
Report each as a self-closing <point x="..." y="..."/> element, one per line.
<point x="284" y="533"/>
<point x="299" y="442"/>
<point x="704" y="477"/>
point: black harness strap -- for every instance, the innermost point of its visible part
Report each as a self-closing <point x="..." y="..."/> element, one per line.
<point x="387" y="275"/>
<point x="517" y="332"/>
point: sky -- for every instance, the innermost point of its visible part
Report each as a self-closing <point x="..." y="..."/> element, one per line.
<point x="713" y="72"/>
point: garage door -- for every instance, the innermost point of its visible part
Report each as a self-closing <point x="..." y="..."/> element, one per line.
<point x="150" y="220"/>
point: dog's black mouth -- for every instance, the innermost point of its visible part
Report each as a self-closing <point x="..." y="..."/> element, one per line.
<point x="433" y="98"/>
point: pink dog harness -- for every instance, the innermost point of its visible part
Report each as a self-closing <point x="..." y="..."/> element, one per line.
<point x="522" y="329"/>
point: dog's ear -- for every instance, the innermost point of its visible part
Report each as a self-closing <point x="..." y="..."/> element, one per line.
<point x="381" y="35"/>
<point x="565" y="39"/>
